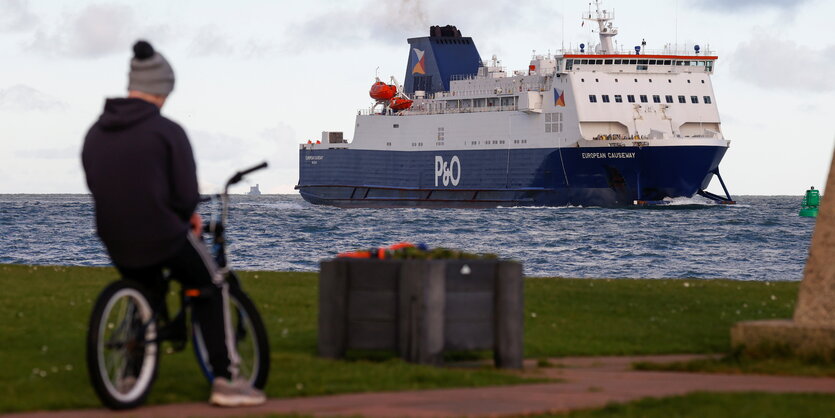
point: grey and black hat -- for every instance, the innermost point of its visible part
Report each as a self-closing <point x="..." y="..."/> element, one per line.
<point x="149" y="71"/>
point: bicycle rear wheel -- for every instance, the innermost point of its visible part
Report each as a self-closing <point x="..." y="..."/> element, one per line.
<point x="122" y="350"/>
<point x="250" y="340"/>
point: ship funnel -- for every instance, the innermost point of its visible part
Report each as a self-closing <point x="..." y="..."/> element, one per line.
<point x="435" y="59"/>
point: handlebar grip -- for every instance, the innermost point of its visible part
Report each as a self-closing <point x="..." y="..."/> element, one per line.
<point x="256" y="168"/>
<point x="240" y="174"/>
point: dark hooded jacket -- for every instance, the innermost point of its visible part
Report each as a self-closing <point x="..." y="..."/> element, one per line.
<point x="141" y="171"/>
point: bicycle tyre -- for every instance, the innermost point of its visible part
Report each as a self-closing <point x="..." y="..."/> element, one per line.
<point x="125" y="337"/>
<point x="250" y="340"/>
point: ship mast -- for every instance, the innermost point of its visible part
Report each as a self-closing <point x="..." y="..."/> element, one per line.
<point x="605" y="28"/>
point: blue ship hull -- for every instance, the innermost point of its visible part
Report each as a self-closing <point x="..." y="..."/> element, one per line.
<point x="500" y="177"/>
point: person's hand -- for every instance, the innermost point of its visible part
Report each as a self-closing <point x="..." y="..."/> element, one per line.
<point x="196" y="224"/>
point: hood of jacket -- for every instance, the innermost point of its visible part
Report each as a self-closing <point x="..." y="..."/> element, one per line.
<point x="125" y="112"/>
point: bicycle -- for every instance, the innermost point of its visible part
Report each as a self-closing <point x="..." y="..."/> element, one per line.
<point x="127" y="326"/>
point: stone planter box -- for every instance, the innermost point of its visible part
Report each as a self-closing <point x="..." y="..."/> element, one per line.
<point x="421" y="308"/>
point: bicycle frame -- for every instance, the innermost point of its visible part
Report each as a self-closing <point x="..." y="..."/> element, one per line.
<point x="175" y="329"/>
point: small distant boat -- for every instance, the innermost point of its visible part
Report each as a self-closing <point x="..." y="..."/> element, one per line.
<point x="811" y="201"/>
<point x="254" y="191"/>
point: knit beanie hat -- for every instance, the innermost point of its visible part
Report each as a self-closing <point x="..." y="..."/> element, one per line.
<point x="149" y="71"/>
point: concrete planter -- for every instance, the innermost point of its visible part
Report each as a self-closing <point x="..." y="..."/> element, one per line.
<point x="421" y="308"/>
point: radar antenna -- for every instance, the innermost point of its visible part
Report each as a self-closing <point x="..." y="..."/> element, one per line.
<point x="605" y="28"/>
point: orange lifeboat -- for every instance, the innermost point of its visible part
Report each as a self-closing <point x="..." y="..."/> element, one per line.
<point x="382" y="91"/>
<point x="399" y="103"/>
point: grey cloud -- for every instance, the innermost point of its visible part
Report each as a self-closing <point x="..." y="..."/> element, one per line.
<point x="747" y="5"/>
<point x="763" y="61"/>
<point x="211" y="40"/>
<point x="95" y="31"/>
<point x="220" y="155"/>
<point x="384" y="22"/>
<point x="391" y="22"/>
<point x="15" y="16"/>
<point x="216" y="146"/>
<point x="50" y="153"/>
<point x="22" y="98"/>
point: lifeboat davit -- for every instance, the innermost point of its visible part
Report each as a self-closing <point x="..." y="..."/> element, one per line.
<point x="399" y="103"/>
<point x="382" y="91"/>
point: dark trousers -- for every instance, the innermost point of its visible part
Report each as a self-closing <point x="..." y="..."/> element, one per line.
<point x="194" y="268"/>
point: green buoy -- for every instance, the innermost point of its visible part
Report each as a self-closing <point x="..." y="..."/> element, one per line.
<point x="811" y="201"/>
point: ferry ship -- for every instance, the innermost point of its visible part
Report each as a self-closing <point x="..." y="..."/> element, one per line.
<point x="589" y="126"/>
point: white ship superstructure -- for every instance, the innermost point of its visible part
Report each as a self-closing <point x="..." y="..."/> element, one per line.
<point x="605" y="127"/>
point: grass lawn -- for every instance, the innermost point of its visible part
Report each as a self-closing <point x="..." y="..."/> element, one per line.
<point x="716" y="405"/>
<point x="45" y="311"/>
<point x="647" y="316"/>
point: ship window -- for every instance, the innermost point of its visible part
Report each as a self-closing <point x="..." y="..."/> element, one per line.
<point x="636" y="80"/>
<point x="616" y="80"/>
<point x="642" y="68"/>
<point x="656" y="98"/>
<point x="584" y="61"/>
<point x="630" y="98"/>
<point x="650" y="80"/>
<point x="644" y="62"/>
<point x="651" y="62"/>
<point x="633" y="62"/>
<point x="694" y="99"/>
<point x="669" y="99"/>
<point x="618" y="98"/>
<point x="707" y="99"/>
<point x="681" y="99"/>
<point x="592" y="98"/>
<point x="679" y="63"/>
<point x="668" y="62"/>
<point x="599" y="62"/>
<point x="396" y="125"/>
<point x="669" y="80"/>
<point x="644" y="98"/>
<point x="582" y="80"/>
<point x="605" y="98"/>
<point x="617" y="61"/>
<point x="688" y="81"/>
<point x="553" y="122"/>
<point x="596" y="80"/>
<point x="607" y="62"/>
<point x="703" y="81"/>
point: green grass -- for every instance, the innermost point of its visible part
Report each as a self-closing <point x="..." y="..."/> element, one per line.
<point x="629" y="316"/>
<point x="716" y="405"/>
<point x="43" y="322"/>
<point x="44" y="313"/>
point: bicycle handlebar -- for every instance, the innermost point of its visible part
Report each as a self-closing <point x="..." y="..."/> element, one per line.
<point x="240" y="174"/>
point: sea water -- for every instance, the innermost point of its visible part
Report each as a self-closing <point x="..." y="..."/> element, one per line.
<point x="761" y="238"/>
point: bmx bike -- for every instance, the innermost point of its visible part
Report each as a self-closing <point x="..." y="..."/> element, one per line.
<point x="129" y="324"/>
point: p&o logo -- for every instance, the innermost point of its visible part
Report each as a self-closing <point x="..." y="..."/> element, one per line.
<point x="447" y="172"/>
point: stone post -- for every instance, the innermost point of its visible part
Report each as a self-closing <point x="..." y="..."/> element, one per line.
<point x="811" y="333"/>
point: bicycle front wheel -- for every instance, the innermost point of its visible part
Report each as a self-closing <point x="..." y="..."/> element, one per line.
<point x="122" y="346"/>
<point x="250" y="340"/>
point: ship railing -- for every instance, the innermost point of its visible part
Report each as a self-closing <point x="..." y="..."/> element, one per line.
<point x="686" y="51"/>
<point x="459" y="77"/>
<point x="621" y="137"/>
<point x="430" y="110"/>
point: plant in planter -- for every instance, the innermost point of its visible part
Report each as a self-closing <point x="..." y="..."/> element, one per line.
<point x="421" y="302"/>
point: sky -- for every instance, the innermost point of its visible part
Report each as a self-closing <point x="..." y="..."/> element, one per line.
<point x="256" y="78"/>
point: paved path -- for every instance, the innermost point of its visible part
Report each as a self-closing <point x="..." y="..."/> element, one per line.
<point x="587" y="382"/>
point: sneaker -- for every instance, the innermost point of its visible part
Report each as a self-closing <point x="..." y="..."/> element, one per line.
<point x="235" y="393"/>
